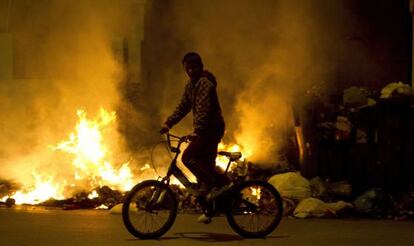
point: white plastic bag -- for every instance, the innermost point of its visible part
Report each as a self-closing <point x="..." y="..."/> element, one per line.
<point x="291" y="185"/>
<point x="313" y="207"/>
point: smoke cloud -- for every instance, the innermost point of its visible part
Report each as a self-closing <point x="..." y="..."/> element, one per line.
<point x="266" y="55"/>
<point x="67" y="56"/>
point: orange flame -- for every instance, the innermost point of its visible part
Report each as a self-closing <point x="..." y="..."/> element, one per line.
<point x="91" y="162"/>
<point x="222" y="161"/>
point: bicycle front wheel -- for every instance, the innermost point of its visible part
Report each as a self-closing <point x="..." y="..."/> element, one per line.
<point x="255" y="209"/>
<point x="149" y="210"/>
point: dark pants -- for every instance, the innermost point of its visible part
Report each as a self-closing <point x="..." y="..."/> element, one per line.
<point x="200" y="158"/>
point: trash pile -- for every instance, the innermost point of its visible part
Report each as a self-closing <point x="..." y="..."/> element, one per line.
<point x="304" y="198"/>
<point x="355" y="100"/>
<point x="101" y="198"/>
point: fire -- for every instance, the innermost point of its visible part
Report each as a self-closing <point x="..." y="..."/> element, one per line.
<point x="43" y="189"/>
<point x="93" y="195"/>
<point x="91" y="162"/>
<point x="91" y="154"/>
<point x="222" y="161"/>
<point x="102" y="206"/>
<point x="256" y="192"/>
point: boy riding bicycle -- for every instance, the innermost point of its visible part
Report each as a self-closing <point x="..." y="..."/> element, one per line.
<point x="200" y="97"/>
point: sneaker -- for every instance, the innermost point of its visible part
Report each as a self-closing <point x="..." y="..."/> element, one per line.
<point x="204" y="219"/>
<point x="217" y="191"/>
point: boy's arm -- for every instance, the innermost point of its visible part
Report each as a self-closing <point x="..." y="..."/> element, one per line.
<point x="181" y="110"/>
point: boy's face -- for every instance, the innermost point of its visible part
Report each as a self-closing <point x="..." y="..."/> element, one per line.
<point x="193" y="70"/>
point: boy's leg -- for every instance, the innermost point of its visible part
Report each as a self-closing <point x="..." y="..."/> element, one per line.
<point x="199" y="158"/>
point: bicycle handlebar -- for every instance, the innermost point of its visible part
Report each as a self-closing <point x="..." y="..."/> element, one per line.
<point x="180" y="141"/>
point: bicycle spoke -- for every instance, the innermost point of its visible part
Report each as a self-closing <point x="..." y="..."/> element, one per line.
<point x="153" y="219"/>
<point x="256" y="211"/>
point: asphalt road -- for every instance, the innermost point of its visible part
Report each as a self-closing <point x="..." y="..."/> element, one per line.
<point x="39" y="226"/>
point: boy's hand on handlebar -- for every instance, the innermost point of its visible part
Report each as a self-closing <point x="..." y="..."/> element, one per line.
<point x="164" y="129"/>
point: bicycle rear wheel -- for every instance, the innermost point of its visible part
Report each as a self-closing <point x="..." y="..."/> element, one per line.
<point x="255" y="209"/>
<point x="149" y="210"/>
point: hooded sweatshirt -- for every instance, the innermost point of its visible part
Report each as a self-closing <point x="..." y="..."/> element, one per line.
<point x="200" y="97"/>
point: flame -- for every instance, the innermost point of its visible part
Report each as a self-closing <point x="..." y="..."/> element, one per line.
<point x="87" y="145"/>
<point x="42" y="190"/>
<point x="222" y="161"/>
<point x="256" y="192"/>
<point x="91" y="162"/>
<point x="102" y="206"/>
<point x="145" y="167"/>
<point x="93" y="195"/>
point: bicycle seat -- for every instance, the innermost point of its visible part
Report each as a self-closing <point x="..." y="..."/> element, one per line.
<point x="234" y="156"/>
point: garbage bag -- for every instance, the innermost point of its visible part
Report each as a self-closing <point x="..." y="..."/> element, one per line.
<point x="340" y="188"/>
<point x="318" y="187"/>
<point x="373" y="203"/>
<point x="288" y="206"/>
<point x="404" y="205"/>
<point x="291" y="185"/>
<point x="394" y="89"/>
<point x="356" y="97"/>
<point x="313" y="207"/>
<point x="117" y="209"/>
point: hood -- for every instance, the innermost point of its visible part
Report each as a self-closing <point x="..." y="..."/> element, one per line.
<point x="209" y="76"/>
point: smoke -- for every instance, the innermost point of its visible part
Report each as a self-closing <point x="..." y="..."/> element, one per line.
<point x="67" y="56"/>
<point x="266" y="55"/>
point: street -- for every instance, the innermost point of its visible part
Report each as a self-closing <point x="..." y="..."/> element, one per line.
<point x="40" y="226"/>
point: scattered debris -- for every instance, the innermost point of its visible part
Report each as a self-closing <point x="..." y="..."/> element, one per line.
<point x="404" y="206"/>
<point x="10" y="202"/>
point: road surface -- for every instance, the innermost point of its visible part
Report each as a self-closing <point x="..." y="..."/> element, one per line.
<point x="40" y="226"/>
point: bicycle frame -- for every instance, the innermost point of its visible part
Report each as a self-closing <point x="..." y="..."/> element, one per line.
<point x="209" y="207"/>
<point x="173" y="168"/>
<point x="240" y="199"/>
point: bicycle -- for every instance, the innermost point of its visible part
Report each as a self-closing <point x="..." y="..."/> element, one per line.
<point x="150" y="208"/>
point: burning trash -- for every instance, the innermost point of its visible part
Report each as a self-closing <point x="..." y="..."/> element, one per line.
<point x="95" y="181"/>
<point x="92" y="167"/>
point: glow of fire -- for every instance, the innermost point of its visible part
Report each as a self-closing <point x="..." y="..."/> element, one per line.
<point x="87" y="145"/>
<point x="91" y="163"/>
<point x="222" y="161"/>
<point x="145" y="167"/>
<point x="256" y="192"/>
<point x="42" y="190"/>
<point x="102" y="206"/>
<point x="93" y="195"/>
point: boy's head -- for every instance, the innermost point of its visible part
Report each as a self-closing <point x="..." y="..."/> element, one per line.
<point x="193" y="65"/>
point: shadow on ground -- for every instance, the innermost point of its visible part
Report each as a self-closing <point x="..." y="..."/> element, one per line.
<point x="209" y="236"/>
<point x="216" y="237"/>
